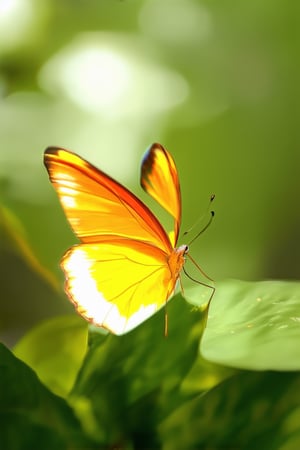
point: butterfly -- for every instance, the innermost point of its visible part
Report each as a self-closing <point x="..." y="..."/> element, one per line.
<point x="126" y="266"/>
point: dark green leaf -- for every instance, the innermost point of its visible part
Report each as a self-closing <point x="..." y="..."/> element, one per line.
<point x="247" y="411"/>
<point x="31" y="411"/>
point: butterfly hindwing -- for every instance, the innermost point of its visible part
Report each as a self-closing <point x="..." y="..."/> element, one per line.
<point x="117" y="285"/>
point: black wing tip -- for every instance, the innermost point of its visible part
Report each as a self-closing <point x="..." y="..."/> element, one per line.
<point x="148" y="159"/>
<point x="52" y="153"/>
<point x="52" y="150"/>
<point x="156" y="145"/>
<point x="149" y="153"/>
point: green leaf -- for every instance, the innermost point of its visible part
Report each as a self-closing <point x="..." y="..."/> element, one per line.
<point x="247" y="411"/>
<point x="127" y="383"/>
<point x="55" y="350"/>
<point x="254" y="325"/>
<point x="18" y="432"/>
<point x="30" y="414"/>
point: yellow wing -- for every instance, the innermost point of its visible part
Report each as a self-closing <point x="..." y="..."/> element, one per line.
<point x="159" y="178"/>
<point x="117" y="284"/>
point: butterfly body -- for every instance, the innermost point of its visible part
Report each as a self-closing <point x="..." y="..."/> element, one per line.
<point x="176" y="260"/>
<point x="126" y="265"/>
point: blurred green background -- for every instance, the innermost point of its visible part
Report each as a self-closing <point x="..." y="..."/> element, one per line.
<point x="214" y="82"/>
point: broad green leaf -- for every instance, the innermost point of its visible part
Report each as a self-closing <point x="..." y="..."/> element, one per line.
<point x="249" y="410"/>
<point x="127" y="383"/>
<point x="31" y="413"/>
<point x="55" y="350"/>
<point x="254" y="325"/>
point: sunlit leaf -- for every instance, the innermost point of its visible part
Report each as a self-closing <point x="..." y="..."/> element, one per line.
<point x="254" y="325"/>
<point x="55" y="350"/>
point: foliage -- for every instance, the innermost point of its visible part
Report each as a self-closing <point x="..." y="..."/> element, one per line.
<point x="144" y="390"/>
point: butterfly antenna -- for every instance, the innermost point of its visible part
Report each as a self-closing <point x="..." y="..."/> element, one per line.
<point x="201" y="217"/>
<point x="212" y="288"/>
<point x="212" y="214"/>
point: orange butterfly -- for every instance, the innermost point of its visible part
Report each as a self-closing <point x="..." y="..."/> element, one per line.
<point x="126" y="266"/>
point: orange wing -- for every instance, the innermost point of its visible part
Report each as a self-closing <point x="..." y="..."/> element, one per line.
<point x="125" y="267"/>
<point x="98" y="207"/>
<point x="160" y="179"/>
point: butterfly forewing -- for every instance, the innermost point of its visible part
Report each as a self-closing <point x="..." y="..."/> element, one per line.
<point x="159" y="179"/>
<point x="96" y="205"/>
